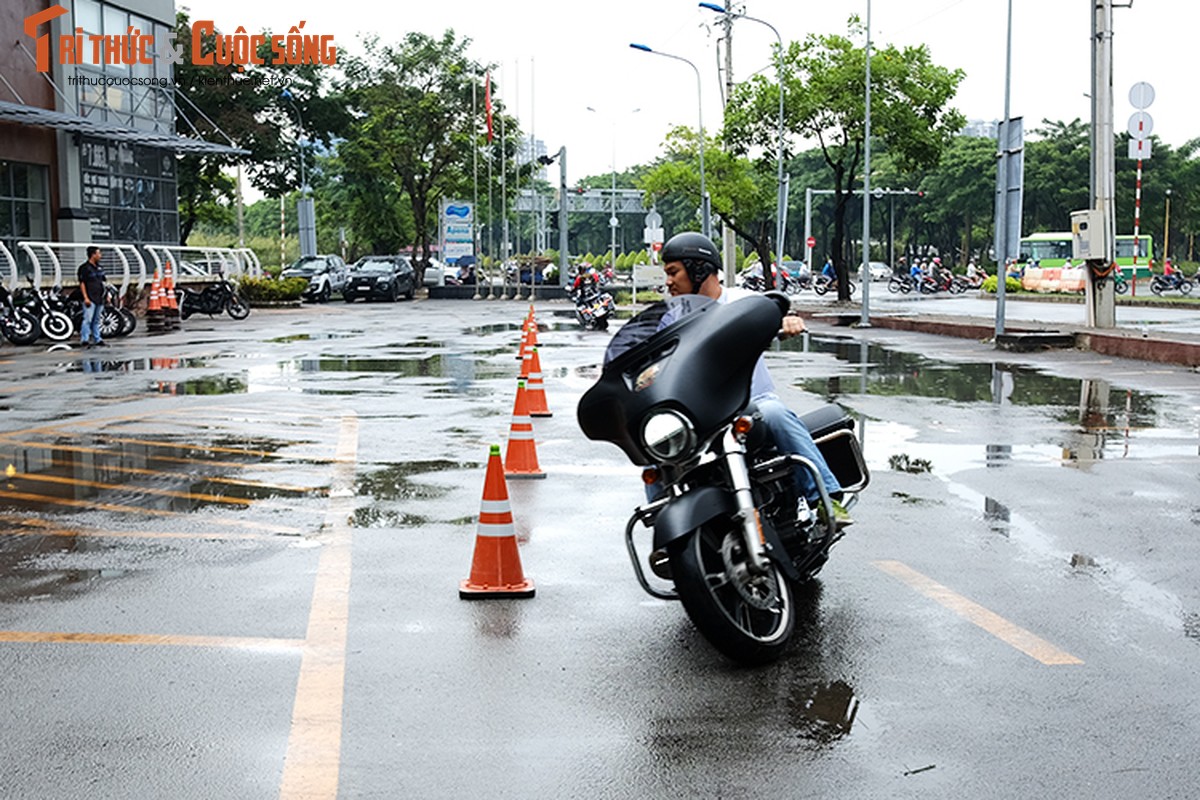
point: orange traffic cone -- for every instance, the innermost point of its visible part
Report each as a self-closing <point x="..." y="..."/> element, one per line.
<point x="535" y="391"/>
<point x="533" y="340"/>
<point x="524" y="339"/>
<point x="154" y="312"/>
<point x="520" y="460"/>
<point x="526" y="363"/>
<point x="496" y="565"/>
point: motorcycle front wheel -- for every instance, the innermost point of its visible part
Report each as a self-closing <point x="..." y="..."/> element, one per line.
<point x="20" y="328"/>
<point x="749" y="618"/>
<point x="236" y="307"/>
<point x="1185" y="287"/>
<point x="57" y="326"/>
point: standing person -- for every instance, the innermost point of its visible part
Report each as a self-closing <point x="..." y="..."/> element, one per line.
<point x="692" y="265"/>
<point x="91" y="285"/>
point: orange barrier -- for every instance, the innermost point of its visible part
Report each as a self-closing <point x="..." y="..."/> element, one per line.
<point x="496" y="565"/>
<point x="520" y="459"/>
<point x="535" y="391"/>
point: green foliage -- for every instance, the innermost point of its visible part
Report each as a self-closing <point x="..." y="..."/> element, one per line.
<point x="271" y="290"/>
<point x="1011" y="285"/>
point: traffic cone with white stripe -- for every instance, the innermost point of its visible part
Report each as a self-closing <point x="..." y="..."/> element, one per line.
<point x="524" y="348"/>
<point x="520" y="459"/>
<point x="496" y="565"/>
<point x="535" y="391"/>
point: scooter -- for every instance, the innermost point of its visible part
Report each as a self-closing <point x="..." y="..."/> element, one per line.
<point x="1167" y="283"/>
<point x="729" y="537"/>
<point x="213" y="299"/>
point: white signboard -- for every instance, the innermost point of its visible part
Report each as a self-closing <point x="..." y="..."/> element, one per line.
<point x="457" y="229"/>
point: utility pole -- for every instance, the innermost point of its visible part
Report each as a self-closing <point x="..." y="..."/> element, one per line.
<point x="1100" y="299"/>
<point x="728" y="238"/>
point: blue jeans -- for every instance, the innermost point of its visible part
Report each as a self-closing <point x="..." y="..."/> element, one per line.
<point x="91" y="323"/>
<point x="792" y="438"/>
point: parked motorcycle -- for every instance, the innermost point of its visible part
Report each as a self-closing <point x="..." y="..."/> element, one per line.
<point x="213" y="299"/>
<point x="728" y="530"/>
<point x="17" y="324"/>
<point x="593" y="307"/>
<point x="114" y="320"/>
<point x="50" y="310"/>
<point x="1172" y="282"/>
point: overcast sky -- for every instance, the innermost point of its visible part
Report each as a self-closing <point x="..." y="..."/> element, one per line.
<point x="556" y="58"/>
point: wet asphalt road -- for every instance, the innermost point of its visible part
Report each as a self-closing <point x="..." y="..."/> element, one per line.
<point x="230" y="560"/>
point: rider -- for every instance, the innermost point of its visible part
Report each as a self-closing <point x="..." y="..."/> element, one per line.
<point x="692" y="264"/>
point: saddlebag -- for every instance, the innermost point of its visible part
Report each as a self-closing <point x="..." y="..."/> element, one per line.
<point x="833" y="431"/>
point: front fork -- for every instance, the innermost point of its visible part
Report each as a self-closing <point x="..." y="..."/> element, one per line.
<point x="734" y="453"/>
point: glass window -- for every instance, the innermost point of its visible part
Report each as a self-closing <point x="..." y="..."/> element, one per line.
<point x="116" y="23"/>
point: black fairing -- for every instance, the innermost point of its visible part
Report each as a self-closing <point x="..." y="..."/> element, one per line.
<point x="701" y="365"/>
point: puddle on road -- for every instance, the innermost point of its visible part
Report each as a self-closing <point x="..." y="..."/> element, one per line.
<point x="227" y="383"/>
<point x="97" y="474"/>
<point x="824" y="712"/>
<point x="312" y="337"/>
<point x="392" y="488"/>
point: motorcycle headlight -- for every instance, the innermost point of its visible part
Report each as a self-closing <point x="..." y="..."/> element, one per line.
<point x="668" y="435"/>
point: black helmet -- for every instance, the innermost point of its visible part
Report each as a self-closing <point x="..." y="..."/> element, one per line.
<point x="698" y="254"/>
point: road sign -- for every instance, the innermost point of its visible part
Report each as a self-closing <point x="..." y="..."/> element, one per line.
<point x="1141" y="95"/>
<point x="1140" y="124"/>
<point x="1139" y="148"/>
<point x="811" y="242"/>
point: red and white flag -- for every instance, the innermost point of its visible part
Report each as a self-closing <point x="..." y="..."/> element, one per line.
<point x="487" y="103"/>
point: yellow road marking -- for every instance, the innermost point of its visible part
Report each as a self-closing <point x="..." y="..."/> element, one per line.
<point x="1008" y="632"/>
<point x="208" y="498"/>
<point x="37" y="527"/>
<point x="249" y="642"/>
<point x="159" y="473"/>
<point x="73" y="448"/>
<point x="310" y="770"/>
<point x="156" y="512"/>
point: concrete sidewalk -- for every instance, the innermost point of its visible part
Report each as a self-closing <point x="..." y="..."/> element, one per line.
<point x="1033" y="323"/>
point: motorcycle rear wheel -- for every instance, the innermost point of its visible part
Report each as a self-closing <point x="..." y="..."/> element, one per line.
<point x="750" y="619"/>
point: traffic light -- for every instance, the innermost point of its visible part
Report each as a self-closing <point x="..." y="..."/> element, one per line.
<point x="920" y="193"/>
<point x="579" y="190"/>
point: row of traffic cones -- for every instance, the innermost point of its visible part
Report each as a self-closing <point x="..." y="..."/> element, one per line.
<point x="496" y="566"/>
<point x="162" y="309"/>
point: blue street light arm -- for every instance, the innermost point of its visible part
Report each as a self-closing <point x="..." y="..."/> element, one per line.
<point x="643" y="47"/>
<point x="713" y="7"/>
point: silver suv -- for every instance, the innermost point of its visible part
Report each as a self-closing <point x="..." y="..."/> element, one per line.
<point x="326" y="276"/>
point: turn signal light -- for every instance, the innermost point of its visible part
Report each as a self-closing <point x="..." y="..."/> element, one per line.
<point x="650" y="475"/>
<point x="742" y="426"/>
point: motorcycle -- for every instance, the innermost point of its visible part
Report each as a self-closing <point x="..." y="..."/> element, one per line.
<point x="48" y="308"/>
<point x="114" y="320"/>
<point x="593" y="308"/>
<point x="17" y="324"/>
<point x="901" y="284"/>
<point x="215" y="298"/>
<point x="1167" y="283"/>
<point x="728" y="531"/>
<point x="823" y="283"/>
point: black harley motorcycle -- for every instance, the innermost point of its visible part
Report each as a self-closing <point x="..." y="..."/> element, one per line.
<point x="216" y="298"/>
<point x="728" y="529"/>
<point x="18" y="325"/>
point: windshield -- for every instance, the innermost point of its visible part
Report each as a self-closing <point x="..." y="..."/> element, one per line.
<point x="374" y="267"/>
<point x="306" y="266"/>
<point x="653" y="320"/>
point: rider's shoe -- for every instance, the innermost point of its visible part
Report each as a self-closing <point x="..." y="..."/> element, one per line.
<point x="841" y="517"/>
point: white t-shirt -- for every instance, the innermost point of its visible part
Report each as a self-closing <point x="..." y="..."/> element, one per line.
<point x="761" y="383"/>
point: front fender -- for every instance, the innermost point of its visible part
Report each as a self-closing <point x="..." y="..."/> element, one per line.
<point x="689" y="511"/>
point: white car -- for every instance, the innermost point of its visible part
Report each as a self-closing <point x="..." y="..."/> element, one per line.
<point x="326" y="275"/>
<point x="879" y="271"/>
<point x="435" y="273"/>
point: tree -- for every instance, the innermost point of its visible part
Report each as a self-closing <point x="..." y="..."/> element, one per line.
<point x="414" y="128"/>
<point x="246" y="108"/>
<point x="824" y="88"/>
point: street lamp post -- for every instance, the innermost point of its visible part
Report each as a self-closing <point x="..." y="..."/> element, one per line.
<point x="705" y="210"/>
<point x="306" y="217"/>
<point x="612" y="220"/>
<point x="781" y="199"/>
<point x="1167" y="229"/>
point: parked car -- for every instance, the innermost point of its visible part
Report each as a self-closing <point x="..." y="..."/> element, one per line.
<point x="381" y="277"/>
<point x="326" y="275"/>
<point x="879" y="271"/>
<point x="435" y="273"/>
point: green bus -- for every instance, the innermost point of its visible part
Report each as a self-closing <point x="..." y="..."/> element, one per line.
<point x="1053" y="250"/>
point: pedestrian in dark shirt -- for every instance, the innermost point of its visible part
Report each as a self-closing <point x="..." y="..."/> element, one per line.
<point x="91" y="286"/>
